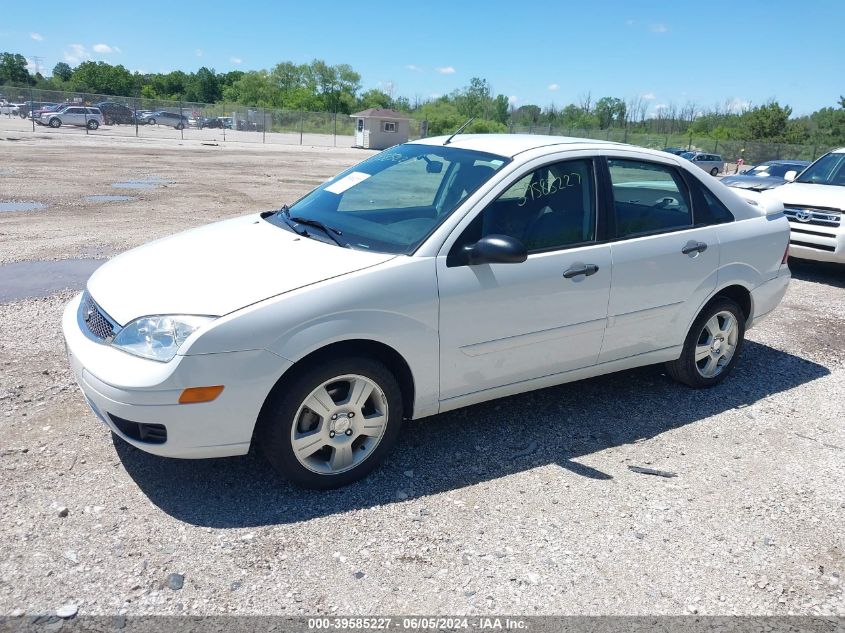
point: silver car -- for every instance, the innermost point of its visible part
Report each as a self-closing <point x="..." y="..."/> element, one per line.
<point x="711" y="163"/>
<point x="91" y="118"/>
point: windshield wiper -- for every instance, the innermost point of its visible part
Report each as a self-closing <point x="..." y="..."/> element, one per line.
<point x="328" y="230"/>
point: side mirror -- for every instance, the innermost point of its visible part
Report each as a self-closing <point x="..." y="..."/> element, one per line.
<point x="790" y="176"/>
<point x="434" y="167"/>
<point x="496" y="249"/>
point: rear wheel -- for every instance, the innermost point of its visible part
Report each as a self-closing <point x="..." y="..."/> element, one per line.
<point x="180" y="126"/>
<point x="93" y="125"/>
<point x="714" y="171"/>
<point x="332" y="423"/>
<point x="151" y="121"/>
<point x="712" y="346"/>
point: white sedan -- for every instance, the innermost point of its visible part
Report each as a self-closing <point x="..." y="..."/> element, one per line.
<point x="434" y="275"/>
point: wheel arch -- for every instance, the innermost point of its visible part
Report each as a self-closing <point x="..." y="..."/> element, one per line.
<point x="384" y="353"/>
<point x="738" y="294"/>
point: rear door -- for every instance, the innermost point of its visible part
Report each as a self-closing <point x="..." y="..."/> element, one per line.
<point x="664" y="266"/>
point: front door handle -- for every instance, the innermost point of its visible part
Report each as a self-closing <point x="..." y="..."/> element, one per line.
<point x="580" y="269"/>
<point x="694" y="247"/>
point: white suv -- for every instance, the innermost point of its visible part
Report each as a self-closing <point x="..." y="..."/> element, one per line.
<point x="814" y="203"/>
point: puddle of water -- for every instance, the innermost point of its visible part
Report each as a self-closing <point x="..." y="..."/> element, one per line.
<point x="150" y="182"/>
<point x="26" y="280"/>
<point x="135" y="184"/>
<point x="110" y="198"/>
<point x="21" y="206"/>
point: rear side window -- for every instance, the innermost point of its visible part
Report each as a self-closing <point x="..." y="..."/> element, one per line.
<point x="707" y="208"/>
<point x="648" y="198"/>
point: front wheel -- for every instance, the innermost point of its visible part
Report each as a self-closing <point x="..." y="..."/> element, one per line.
<point x="54" y="122"/>
<point x="712" y="346"/>
<point x="151" y="121"/>
<point x="333" y="423"/>
<point x="180" y="126"/>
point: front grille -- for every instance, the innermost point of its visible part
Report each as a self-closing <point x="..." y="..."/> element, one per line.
<point x="147" y="433"/>
<point x="813" y="215"/>
<point x="99" y="326"/>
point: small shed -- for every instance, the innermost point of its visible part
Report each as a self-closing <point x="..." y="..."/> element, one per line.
<point x="379" y="128"/>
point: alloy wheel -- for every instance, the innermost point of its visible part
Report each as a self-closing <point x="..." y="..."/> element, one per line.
<point x="339" y="424"/>
<point x="716" y="344"/>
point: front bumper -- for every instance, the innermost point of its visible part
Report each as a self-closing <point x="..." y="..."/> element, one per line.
<point x="822" y="244"/>
<point x="143" y="391"/>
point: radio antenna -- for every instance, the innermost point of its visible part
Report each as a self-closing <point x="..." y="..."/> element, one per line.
<point x="459" y="130"/>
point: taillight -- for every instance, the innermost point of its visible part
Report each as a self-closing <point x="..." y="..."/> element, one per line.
<point x="785" y="254"/>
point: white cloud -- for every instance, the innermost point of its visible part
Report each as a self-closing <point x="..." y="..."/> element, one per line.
<point x="237" y="61"/>
<point x="435" y="95"/>
<point x="37" y="37"/>
<point x="445" y="70"/>
<point x="553" y="87"/>
<point x="659" y="28"/>
<point x="105" y="49"/>
<point x="738" y="105"/>
<point x="660" y="106"/>
<point x="31" y="66"/>
<point x="413" y="67"/>
<point x="513" y="99"/>
<point x="76" y="53"/>
<point x="198" y="52"/>
<point x="630" y="23"/>
<point x="649" y="96"/>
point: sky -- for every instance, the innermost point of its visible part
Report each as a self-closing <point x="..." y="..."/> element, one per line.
<point x="539" y="53"/>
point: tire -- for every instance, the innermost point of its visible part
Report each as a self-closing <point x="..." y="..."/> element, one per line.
<point x="93" y="125"/>
<point x="151" y="121"/>
<point x="329" y="461"/>
<point x="55" y="122"/>
<point x="715" y="341"/>
<point x="714" y="171"/>
<point x="180" y="126"/>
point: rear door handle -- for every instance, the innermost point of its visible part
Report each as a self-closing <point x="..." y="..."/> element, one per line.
<point x="581" y="269"/>
<point x="694" y="247"/>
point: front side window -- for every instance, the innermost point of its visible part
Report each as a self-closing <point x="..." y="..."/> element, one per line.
<point x="550" y="208"/>
<point x="391" y="202"/>
<point x="648" y="198"/>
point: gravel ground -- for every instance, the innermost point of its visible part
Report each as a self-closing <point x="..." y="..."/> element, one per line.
<point x="523" y="505"/>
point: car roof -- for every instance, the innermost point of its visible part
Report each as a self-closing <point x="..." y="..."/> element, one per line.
<point x="512" y="144"/>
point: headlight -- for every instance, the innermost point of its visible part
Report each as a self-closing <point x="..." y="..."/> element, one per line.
<point x="158" y="337"/>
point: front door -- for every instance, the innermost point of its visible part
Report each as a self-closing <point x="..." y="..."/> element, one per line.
<point x="359" y="133"/>
<point x="506" y="323"/>
<point x="664" y="267"/>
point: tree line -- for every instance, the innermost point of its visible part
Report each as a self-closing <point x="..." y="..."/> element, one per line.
<point x="320" y="87"/>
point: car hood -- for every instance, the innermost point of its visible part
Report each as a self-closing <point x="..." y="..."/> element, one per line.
<point x="218" y="268"/>
<point x="812" y="195"/>
<point x="752" y="182"/>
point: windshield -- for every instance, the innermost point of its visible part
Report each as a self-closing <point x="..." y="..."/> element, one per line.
<point x="776" y="171"/>
<point x="391" y="202"/>
<point x="828" y="170"/>
<point x="688" y="155"/>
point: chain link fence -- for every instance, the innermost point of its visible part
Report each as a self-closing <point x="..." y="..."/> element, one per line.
<point x="222" y="122"/>
<point x="156" y="118"/>
<point x="752" y="152"/>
